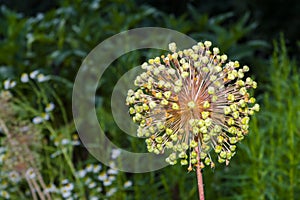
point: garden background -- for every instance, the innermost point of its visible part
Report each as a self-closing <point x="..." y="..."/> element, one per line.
<point x="42" y="45"/>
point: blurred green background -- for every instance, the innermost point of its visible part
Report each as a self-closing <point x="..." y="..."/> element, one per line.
<point x="54" y="37"/>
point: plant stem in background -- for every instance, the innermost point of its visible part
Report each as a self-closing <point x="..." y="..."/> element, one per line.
<point x="22" y="155"/>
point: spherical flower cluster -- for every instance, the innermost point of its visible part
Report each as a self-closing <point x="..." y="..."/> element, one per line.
<point x="193" y="102"/>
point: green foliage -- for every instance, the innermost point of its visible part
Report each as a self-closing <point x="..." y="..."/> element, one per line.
<point x="267" y="165"/>
<point x="67" y="32"/>
<point x="228" y="36"/>
<point x="73" y="29"/>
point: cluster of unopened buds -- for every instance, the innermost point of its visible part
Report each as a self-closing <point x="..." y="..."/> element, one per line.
<point x="191" y="103"/>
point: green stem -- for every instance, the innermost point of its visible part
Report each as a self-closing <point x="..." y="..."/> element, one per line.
<point x="70" y="164"/>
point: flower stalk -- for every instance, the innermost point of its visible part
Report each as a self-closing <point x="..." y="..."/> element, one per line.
<point x="199" y="178"/>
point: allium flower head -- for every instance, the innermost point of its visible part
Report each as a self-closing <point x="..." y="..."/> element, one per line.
<point x="193" y="102"/>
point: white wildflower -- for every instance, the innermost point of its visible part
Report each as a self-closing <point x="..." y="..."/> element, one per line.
<point x="65" y="181"/>
<point x="107" y="182"/>
<point x="92" y="185"/>
<point x="65" y="193"/>
<point x="2" y="149"/>
<point x="50" y="107"/>
<point x="46" y="116"/>
<point x="87" y="181"/>
<point x="8" y="84"/>
<point x="69" y="186"/>
<point x="65" y="141"/>
<point x="102" y="176"/>
<point x="30" y="174"/>
<point x="75" y="142"/>
<point x="2" y="156"/>
<point x="127" y="184"/>
<point x="34" y="74"/>
<point x="97" y="168"/>
<point x="115" y="153"/>
<point x="99" y="189"/>
<point x="14" y="177"/>
<point x="112" y="164"/>
<point x="24" y="78"/>
<point x="89" y="167"/>
<point x="112" y="171"/>
<point x="112" y="178"/>
<point x="42" y="78"/>
<point x="37" y="120"/>
<point x="4" y="194"/>
<point x="111" y="192"/>
<point x="81" y="173"/>
<point x="51" y="189"/>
